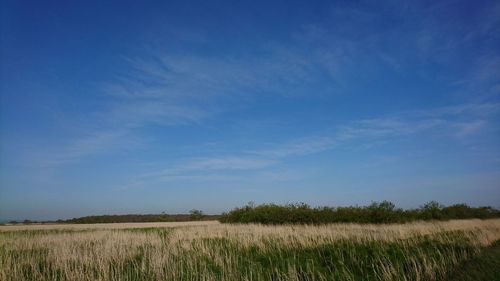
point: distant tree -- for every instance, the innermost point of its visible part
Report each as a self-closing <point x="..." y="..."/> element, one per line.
<point x="383" y="212"/>
<point x="432" y="211"/>
<point x="387" y="206"/>
<point x="195" y="214"/>
<point x="164" y="217"/>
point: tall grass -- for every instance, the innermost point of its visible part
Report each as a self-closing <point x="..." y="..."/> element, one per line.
<point x="413" y="251"/>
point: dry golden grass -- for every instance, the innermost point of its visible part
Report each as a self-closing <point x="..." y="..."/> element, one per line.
<point x="213" y="251"/>
<point x="102" y="225"/>
<point x="488" y="231"/>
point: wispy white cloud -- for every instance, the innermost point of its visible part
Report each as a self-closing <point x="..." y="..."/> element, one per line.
<point x="482" y="81"/>
<point x="226" y="163"/>
<point x="172" y="89"/>
<point x="94" y="143"/>
<point x="138" y="114"/>
<point x="197" y="168"/>
<point x="300" y="147"/>
<point x="474" y="109"/>
<point x="441" y="121"/>
<point x="277" y="69"/>
<point x="466" y="129"/>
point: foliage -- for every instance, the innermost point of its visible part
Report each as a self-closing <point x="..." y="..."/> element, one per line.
<point x="383" y="212"/>
<point x="142" y="218"/>
<point x="484" y="267"/>
<point x="196" y="215"/>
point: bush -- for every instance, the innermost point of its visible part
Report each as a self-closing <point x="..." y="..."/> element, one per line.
<point x="383" y="212"/>
<point x="196" y="215"/>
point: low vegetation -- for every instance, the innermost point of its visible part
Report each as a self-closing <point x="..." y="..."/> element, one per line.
<point x="412" y="251"/>
<point x="384" y="212"/>
<point x="194" y="215"/>
<point x="485" y="267"/>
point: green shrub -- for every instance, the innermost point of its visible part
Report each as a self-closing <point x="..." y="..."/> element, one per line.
<point x="383" y="212"/>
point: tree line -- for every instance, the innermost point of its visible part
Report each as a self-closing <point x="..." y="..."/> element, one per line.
<point x="194" y="215"/>
<point x="301" y="213"/>
<point x="376" y="212"/>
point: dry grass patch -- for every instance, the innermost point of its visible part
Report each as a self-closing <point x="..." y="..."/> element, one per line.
<point x="415" y="251"/>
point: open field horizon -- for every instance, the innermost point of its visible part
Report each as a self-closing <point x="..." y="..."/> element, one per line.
<point x="283" y="140"/>
<point x="301" y="213"/>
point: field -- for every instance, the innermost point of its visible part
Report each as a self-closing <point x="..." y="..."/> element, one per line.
<point x="213" y="251"/>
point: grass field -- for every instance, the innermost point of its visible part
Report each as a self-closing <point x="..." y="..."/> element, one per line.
<point x="213" y="251"/>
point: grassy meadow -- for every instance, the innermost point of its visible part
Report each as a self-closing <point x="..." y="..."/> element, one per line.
<point x="214" y="251"/>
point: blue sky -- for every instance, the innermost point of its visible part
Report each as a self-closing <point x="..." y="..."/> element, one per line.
<point x="133" y="107"/>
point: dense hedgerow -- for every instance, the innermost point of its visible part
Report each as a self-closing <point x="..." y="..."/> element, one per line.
<point x="383" y="212"/>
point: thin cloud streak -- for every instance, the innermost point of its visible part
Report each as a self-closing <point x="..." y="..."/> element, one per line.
<point x="95" y="143"/>
<point x="183" y="90"/>
<point x="438" y="121"/>
<point x="177" y="90"/>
